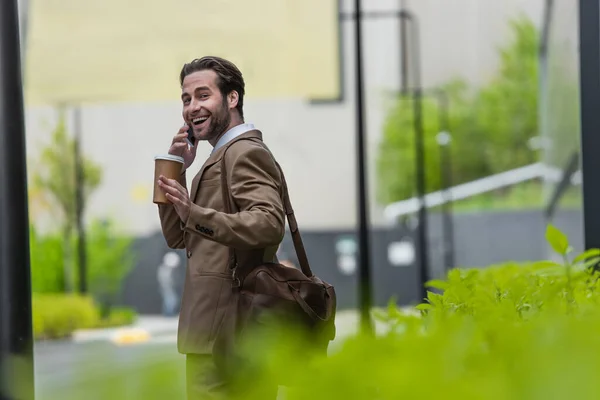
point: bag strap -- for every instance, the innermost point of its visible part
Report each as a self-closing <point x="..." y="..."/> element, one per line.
<point x="289" y="212"/>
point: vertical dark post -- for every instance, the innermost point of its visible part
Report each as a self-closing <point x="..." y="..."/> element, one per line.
<point x="16" y="339"/>
<point x="448" y="223"/>
<point x="589" y="67"/>
<point x="444" y="140"/>
<point x="79" y="206"/>
<point x="420" y="168"/>
<point x="422" y="237"/>
<point x="403" y="50"/>
<point x="364" y="281"/>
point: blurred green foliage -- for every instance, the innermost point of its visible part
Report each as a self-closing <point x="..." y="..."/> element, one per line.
<point x="117" y="316"/>
<point x="58" y="315"/>
<point x="109" y="260"/>
<point x="46" y="259"/>
<point x="491" y="127"/>
<point x="53" y="183"/>
<point x="54" y="269"/>
<point x="54" y="175"/>
<point x="513" y="331"/>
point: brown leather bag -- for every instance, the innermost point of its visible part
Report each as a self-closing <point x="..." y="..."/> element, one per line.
<point x="274" y="293"/>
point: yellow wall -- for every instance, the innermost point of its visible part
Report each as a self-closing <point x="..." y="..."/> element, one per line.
<point x="133" y="50"/>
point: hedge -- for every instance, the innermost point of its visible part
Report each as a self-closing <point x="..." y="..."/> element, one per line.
<point x="57" y="316"/>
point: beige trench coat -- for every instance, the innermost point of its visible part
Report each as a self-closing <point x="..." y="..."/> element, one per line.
<point x="255" y="231"/>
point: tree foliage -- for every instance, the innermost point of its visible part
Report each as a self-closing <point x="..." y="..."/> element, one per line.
<point x="54" y="183"/>
<point x="491" y="127"/>
<point x="110" y="260"/>
<point x="55" y="174"/>
<point x="109" y="254"/>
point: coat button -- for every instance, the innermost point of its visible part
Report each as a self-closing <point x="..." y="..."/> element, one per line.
<point x="198" y="228"/>
<point x="189" y="254"/>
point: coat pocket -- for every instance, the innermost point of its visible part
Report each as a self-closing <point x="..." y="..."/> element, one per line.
<point x="204" y="306"/>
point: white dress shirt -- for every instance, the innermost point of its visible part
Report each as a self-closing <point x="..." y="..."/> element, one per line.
<point x="232" y="134"/>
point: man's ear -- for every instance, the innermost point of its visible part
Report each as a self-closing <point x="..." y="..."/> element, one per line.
<point x="232" y="99"/>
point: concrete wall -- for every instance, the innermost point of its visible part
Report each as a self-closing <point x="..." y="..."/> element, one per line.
<point x="315" y="143"/>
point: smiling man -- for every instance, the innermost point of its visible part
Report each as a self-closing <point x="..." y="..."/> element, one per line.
<point x="212" y="98"/>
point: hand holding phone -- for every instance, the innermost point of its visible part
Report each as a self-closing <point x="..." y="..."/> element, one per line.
<point x="183" y="145"/>
<point x="190" y="138"/>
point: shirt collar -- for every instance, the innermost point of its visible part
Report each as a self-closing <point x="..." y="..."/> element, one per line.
<point x="232" y="134"/>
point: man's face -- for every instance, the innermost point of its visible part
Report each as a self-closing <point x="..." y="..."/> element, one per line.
<point x="204" y="108"/>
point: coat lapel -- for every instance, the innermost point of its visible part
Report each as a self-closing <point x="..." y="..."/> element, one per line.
<point x="216" y="157"/>
<point x="195" y="183"/>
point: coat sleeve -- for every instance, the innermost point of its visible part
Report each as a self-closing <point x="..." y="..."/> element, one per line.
<point x="255" y="185"/>
<point x="171" y="223"/>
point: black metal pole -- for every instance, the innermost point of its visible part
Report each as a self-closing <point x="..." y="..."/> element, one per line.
<point x="420" y="162"/>
<point x="364" y="281"/>
<point x="16" y="333"/>
<point x="589" y="67"/>
<point x="446" y="159"/>
<point x="417" y="91"/>
<point x="403" y="50"/>
<point x="444" y="141"/>
<point x="79" y="206"/>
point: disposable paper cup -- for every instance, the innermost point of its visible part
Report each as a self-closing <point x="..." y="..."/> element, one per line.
<point x="169" y="166"/>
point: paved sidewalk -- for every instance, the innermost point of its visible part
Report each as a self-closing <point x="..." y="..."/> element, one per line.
<point x="158" y="329"/>
<point x="143" y="329"/>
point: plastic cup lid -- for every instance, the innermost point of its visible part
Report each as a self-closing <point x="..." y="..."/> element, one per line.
<point x="169" y="157"/>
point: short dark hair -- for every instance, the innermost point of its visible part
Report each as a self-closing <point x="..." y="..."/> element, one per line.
<point x="229" y="76"/>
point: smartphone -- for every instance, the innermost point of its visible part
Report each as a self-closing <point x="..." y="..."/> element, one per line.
<point x="191" y="139"/>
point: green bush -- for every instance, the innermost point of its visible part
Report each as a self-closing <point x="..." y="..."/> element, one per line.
<point x="110" y="259"/>
<point x="118" y="316"/>
<point x="57" y="316"/>
<point x="513" y="331"/>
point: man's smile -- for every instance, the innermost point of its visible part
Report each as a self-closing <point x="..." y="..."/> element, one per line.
<point x="198" y="121"/>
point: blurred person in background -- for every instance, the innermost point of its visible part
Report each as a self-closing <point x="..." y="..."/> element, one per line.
<point x="212" y="98"/>
<point x="166" y="283"/>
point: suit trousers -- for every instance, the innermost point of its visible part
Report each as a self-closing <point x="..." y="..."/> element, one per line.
<point x="204" y="381"/>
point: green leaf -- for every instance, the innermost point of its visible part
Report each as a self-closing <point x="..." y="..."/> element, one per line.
<point x="437" y="284"/>
<point x="434" y="298"/>
<point x="392" y="307"/>
<point x="555" y="271"/>
<point x="380" y="315"/>
<point x="557" y="239"/>
<point x="586" y="254"/>
<point x="424" y="307"/>
<point x="589" y="263"/>
<point x="545" y="264"/>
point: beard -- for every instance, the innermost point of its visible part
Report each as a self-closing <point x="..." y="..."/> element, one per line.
<point x="219" y="122"/>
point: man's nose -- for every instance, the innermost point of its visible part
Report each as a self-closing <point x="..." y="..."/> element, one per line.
<point x="195" y="106"/>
